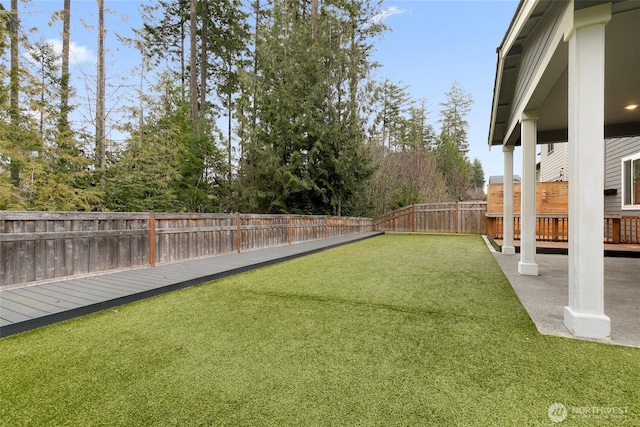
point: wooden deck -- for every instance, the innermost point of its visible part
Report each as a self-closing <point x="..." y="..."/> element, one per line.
<point x="28" y="307"/>
<point x="546" y="247"/>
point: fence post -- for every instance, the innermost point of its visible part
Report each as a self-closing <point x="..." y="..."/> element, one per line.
<point x="289" y="230"/>
<point x="413" y="218"/>
<point x="238" y="233"/>
<point x="326" y="228"/>
<point x="152" y="239"/>
<point x="457" y="217"/>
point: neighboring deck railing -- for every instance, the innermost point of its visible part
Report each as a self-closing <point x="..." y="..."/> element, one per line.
<point x="36" y="246"/>
<point x="453" y="217"/>
<point x="555" y="228"/>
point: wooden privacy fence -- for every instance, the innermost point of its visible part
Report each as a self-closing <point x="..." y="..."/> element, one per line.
<point x="38" y="246"/>
<point x="617" y="229"/>
<point x="453" y="217"/>
<point x="551" y="198"/>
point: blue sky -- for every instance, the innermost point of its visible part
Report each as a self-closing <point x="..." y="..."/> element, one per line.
<point x="431" y="45"/>
<point x="434" y="43"/>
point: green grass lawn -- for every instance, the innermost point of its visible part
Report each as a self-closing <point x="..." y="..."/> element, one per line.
<point x="394" y="330"/>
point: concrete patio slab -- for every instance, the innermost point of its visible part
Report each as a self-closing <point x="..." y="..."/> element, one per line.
<point x="545" y="296"/>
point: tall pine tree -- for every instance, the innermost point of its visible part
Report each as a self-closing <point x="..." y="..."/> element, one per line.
<point x="305" y="152"/>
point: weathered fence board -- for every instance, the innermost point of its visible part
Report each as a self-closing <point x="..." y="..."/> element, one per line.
<point x="36" y="246"/>
<point x="454" y="217"/>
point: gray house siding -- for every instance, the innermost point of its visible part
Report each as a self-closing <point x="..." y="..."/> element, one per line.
<point x="554" y="166"/>
<point x="615" y="150"/>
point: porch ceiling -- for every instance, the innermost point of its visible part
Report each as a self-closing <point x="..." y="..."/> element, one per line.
<point x="550" y="95"/>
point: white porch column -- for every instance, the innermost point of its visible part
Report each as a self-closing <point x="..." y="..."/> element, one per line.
<point x="529" y="138"/>
<point x="507" y="224"/>
<point x="584" y="316"/>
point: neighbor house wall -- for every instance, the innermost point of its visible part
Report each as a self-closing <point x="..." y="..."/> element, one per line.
<point x="615" y="150"/>
<point x="552" y="164"/>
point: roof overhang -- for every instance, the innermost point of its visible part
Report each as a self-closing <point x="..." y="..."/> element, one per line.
<point x="532" y="73"/>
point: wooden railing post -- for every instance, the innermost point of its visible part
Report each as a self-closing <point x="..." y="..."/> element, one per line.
<point x="615" y="230"/>
<point x="152" y="239"/>
<point x="238" y="233"/>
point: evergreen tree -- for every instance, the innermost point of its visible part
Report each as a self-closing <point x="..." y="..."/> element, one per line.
<point x="163" y="39"/>
<point x="46" y="82"/>
<point x="418" y="134"/>
<point x="218" y="35"/>
<point x="393" y="103"/>
<point x="453" y="166"/>
<point x="478" y="174"/>
<point x="452" y="145"/>
<point x="59" y="176"/>
<point x="167" y="164"/>
<point x="477" y="180"/>
<point x="228" y="39"/>
<point x="310" y="62"/>
<point x="453" y="122"/>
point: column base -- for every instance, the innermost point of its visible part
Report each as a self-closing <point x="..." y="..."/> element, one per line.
<point x="527" y="269"/>
<point x="508" y="250"/>
<point x="587" y="325"/>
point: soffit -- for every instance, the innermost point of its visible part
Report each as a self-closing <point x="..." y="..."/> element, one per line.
<point x="549" y="98"/>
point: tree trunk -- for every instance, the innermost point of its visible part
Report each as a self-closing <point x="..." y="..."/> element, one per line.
<point x="203" y="58"/>
<point x="14" y="86"/>
<point x="314" y="18"/>
<point x="64" y="81"/>
<point x="182" y="53"/>
<point x="229" y="119"/>
<point x="255" y="83"/>
<point x="101" y="161"/>
<point x="193" y="66"/>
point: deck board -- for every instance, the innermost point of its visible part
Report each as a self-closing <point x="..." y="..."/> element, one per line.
<point x="52" y="300"/>
<point x="41" y="290"/>
<point x="20" y="305"/>
<point x="8" y="317"/>
<point x="621" y="249"/>
<point x="85" y="288"/>
<point x="73" y="290"/>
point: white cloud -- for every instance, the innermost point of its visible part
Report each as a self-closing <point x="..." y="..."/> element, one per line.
<point x="388" y="12"/>
<point x="77" y="54"/>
